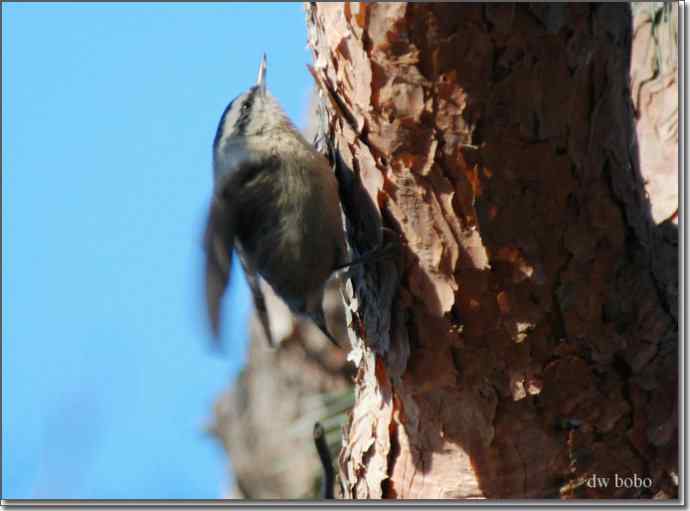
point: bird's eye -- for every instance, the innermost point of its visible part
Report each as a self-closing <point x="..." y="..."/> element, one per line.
<point x="245" y="107"/>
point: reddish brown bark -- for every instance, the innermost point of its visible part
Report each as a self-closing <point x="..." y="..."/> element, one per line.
<point x="528" y="337"/>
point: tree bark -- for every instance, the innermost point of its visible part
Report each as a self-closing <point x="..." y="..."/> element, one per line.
<point x="526" y="339"/>
<point x="654" y="88"/>
<point x="265" y="420"/>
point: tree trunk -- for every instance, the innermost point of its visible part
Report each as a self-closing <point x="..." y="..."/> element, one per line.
<point x="654" y="88"/>
<point x="526" y="339"/>
<point x="266" y="418"/>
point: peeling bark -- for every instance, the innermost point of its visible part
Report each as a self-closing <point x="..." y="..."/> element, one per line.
<point x="654" y="74"/>
<point x="525" y="340"/>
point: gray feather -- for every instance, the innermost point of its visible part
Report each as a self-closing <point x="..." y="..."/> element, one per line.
<point x="285" y="219"/>
<point x="218" y="241"/>
<point x="258" y="296"/>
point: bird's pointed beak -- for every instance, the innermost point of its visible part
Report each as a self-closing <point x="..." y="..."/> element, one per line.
<point x="261" y="79"/>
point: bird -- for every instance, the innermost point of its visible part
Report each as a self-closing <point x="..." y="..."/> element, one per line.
<point x="275" y="205"/>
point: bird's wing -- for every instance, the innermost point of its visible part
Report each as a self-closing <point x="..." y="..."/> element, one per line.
<point x="258" y="295"/>
<point x="218" y="243"/>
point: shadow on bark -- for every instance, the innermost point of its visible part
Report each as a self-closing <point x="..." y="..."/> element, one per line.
<point x="533" y="336"/>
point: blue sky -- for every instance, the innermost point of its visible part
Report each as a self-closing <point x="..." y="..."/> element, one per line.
<point x="108" y="114"/>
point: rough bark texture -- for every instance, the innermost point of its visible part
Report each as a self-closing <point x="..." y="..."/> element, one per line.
<point x="654" y="74"/>
<point x="527" y="338"/>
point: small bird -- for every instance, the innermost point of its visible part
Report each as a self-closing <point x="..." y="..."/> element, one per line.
<point x="275" y="202"/>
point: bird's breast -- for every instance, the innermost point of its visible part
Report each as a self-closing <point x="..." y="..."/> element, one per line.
<point x="290" y="232"/>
